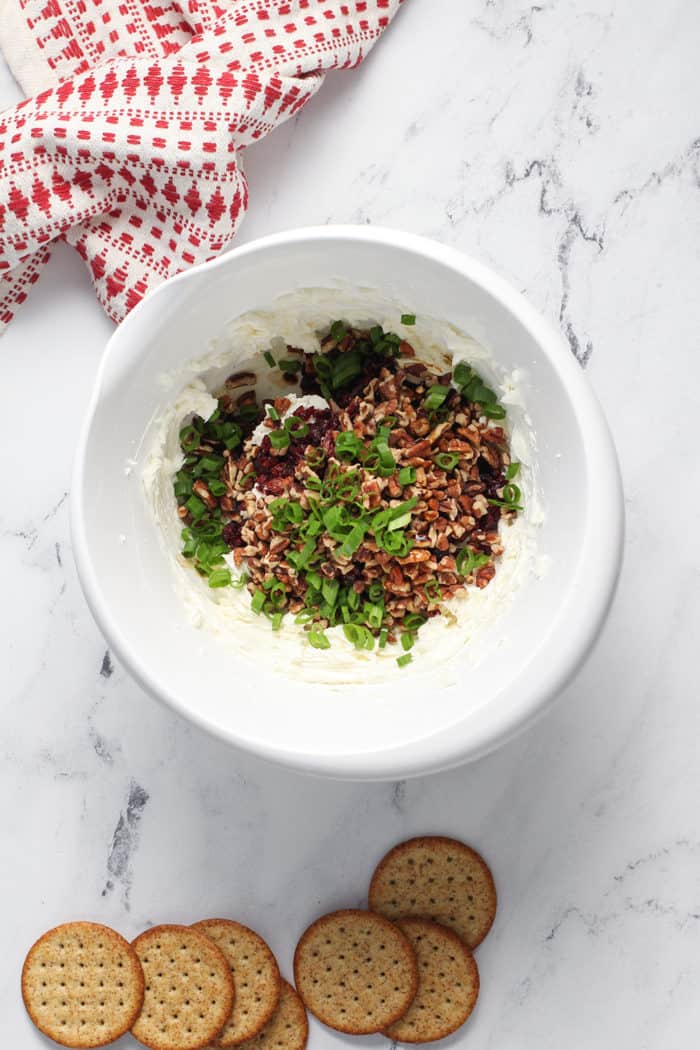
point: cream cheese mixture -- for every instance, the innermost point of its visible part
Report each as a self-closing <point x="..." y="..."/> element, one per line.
<point x="297" y="319"/>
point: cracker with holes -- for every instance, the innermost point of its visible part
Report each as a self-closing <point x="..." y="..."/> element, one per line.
<point x="448" y="984"/>
<point x="436" y="878"/>
<point x="82" y="984"/>
<point x="255" y="974"/>
<point x="355" y="971"/>
<point x="288" y="1029"/>
<point x="189" y="989"/>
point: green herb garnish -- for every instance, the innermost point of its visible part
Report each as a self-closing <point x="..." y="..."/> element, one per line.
<point x="435" y="397"/>
<point x="446" y="460"/>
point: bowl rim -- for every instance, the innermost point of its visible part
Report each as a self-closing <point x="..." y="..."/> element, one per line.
<point x="445" y="749"/>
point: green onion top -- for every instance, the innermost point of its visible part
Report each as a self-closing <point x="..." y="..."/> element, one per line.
<point x="435" y="397"/>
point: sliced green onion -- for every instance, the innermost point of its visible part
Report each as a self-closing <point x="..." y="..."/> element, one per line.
<point x="232" y="438"/>
<point x="408" y="319"/>
<point x="435" y="397"/>
<point x="346" y="367"/>
<point x="375" y="591"/>
<point x="446" y="460"/>
<point x="273" y="414"/>
<point x="373" y="614"/>
<point x="382" y="518"/>
<point x="220" y="578"/>
<point x="396" y="543"/>
<point x="493" y="411"/>
<point x="289" y="364"/>
<point x="413" y="621"/>
<point x="269" y="358"/>
<point x="217" y="488"/>
<point x="402" y="661"/>
<point x="277" y="592"/>
<point x="329" y="590"/>
<point x="211" y="464"/>
<point x="196" y="507"/>
<point x="182" y="489"/>
<point x="189" y="438"/>
<point x="240" y="583"/>
<point x="512" y="471"/>
<point x="376" y="334"/>
<point x="322" y="366"/>
<point x="279" y="438"/>
<point x="348" y="446"/>
<point x="387" y="463"/>
<point x="468" y="561"/>
<point x="316" y="457"/>
<point x="399" y="523"/>
<point x="383" y="635"/>
<point x="433" y="592"/>
<point x="300" y="559"/>
<point x="295" y="427"/>
<point x="511" y="498"/>
<point x="353" y="599"/>
<point x="338" y="331"/>
<point x="318" y="640"/>
<point x="407" y="476"/>
<point x="314" y="580"/>
<point x="276" y="620"/>
<point x="247" y="413"/>
<point x="462" y="374"/>
<point x="353" y="540"/>
<point x="407" y="640"/>
<point x="359" y="636"/>
<point x="259" y="599"/>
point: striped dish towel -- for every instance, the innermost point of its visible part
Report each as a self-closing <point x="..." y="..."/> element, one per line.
<point x="128" y="147"/>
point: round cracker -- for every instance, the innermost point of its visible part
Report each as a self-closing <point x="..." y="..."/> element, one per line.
<point x="355" y="971"/>
<point x="436" y="878"/>
<point x="82" y="984"/>
<point x="288" y="1029"/>
<point x="189" y="990"/>
<point x="255" y="973"/>
<point x="448" y="984"/>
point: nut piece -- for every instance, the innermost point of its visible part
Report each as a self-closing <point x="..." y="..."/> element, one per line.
<point x="239" y="379"/>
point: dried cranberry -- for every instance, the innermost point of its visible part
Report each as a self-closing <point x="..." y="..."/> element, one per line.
<point x="490" y="520"/>
<point x="270" y="468"/>
<point x="273" y="471"/>
<point x="309" y="383"/>
<point x="231" y="534"/>
<point x="485" y="468"/>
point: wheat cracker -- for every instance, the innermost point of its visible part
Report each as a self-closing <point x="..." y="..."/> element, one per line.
<point x="438" y="878"/>
<point x="355" y="971"/>
<point x="82" y="984"/>
<point x="448" y="984"/>
<point x="189" y="990"/>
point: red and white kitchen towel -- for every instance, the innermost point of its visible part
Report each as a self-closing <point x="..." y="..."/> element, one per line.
<point x="128" y="149"/>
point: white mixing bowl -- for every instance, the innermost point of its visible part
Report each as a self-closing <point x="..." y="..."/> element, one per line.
<point x="410" y="725"/>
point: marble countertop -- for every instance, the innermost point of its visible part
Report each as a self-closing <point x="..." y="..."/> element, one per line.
<point x="558" y="142"/>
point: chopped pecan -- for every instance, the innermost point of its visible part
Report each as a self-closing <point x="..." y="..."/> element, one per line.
<point x="200" y="489"/>
<point x="239" y="379"/>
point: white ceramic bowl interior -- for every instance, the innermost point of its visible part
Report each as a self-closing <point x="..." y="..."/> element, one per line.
<point x="408" y="726"/>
